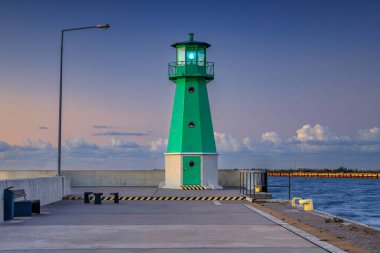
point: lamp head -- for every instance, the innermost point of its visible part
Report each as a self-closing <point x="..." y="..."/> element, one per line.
<point x="103" y="26"/>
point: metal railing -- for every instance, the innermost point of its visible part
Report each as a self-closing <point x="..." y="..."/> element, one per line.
<point x="249" y="180"/>
<point x="191" y="68"/>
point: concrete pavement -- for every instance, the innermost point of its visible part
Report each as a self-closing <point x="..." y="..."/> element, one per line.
<point x="149" y="226"/>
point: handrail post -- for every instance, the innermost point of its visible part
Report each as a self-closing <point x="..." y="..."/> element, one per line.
<point x="243" y="178"/>
<point x="250" y="184"/>
<point x="254" y="190"/>
<point x="246" y="183"/>
<point x="240" y="182"/>
<point x="289" y="186"/>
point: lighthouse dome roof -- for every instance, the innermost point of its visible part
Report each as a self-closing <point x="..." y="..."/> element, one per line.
<point x="191" y="41"/>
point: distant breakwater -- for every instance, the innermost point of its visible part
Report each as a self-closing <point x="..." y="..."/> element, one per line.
<point x="364" y="175"/>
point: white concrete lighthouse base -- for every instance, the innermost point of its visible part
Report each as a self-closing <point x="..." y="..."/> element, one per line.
<point x="208" y="170"/>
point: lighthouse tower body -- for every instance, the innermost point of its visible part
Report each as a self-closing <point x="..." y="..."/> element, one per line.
<point x="191" y="157"/>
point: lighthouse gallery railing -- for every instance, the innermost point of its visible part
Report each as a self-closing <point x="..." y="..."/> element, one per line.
<point x="191" y="68"/>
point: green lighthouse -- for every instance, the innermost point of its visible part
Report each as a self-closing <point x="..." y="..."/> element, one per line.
<point x="191" y="157"/>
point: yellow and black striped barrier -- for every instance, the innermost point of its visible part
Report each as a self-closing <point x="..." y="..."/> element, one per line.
<point x="193" y="187"/>
<point x="161" y="198"/>
<point x="325" y="174"/>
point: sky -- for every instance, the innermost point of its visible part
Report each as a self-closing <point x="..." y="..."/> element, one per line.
<point x="297" y="83"/>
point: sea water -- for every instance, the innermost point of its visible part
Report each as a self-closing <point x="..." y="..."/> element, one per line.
<point x="350" y="198"/>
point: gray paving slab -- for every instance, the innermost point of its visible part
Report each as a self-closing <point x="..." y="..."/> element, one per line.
<point x="177" y="250"/>
<point x="149" y="236"/>
<point x="144" y="213"/>
<point x="149" y="226"/>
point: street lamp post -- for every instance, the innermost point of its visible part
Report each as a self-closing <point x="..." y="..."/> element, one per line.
<point x="102" y="26"/>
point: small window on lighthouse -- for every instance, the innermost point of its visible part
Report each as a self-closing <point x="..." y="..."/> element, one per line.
<point x="191" y="163"/>
<point x="201" y="57"/>
<point x="191" y="90"/>
<point x="191" y="124"/>
<point x="181" y="56"/>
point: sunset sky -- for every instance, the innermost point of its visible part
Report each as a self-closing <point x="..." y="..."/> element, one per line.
<point x="296" y="82"/>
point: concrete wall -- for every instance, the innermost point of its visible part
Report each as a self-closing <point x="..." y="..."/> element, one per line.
<point x="66" y="186"/>
<point x="6" y="174"/>
<point x="173" y="171"/>
<point x="210" y="171"/>
<point x="115" y="177"/>
<point x="46" y="189"/>
<point x="227" y="178"/>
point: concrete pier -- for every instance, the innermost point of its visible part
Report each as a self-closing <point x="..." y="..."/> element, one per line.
<point x="150" y="226"/>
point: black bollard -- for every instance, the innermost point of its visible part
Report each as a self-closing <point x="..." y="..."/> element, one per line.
<point x="98" y="198"/>
<point x="116" y="200"/>
<point x="87" y="197"/>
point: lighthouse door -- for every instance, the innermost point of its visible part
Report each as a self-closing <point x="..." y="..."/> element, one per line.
<point x="191" y="170"/>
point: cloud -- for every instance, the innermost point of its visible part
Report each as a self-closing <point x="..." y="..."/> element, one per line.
<point x="123" y="144"/>
<point x="79" y="144"/>
<point x="33" y="154"/>
<point x="121" y="134"/>
<point x="4" y="146"/>
<point x="159" y="145"/>
<point x="247" y="143"/>
<point x="78" y="153"/>
<point x="271" y="137"/>
<point x="315" y="133"/>
<point x="43" y="128"/>
<point x="31" y="145"/>
<point x="372" y="134"/>
<point x="319" y="138"/>
<point x="226" y="143"/>
<point x="104" y="127"/>
<point x="312" y="146"/>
